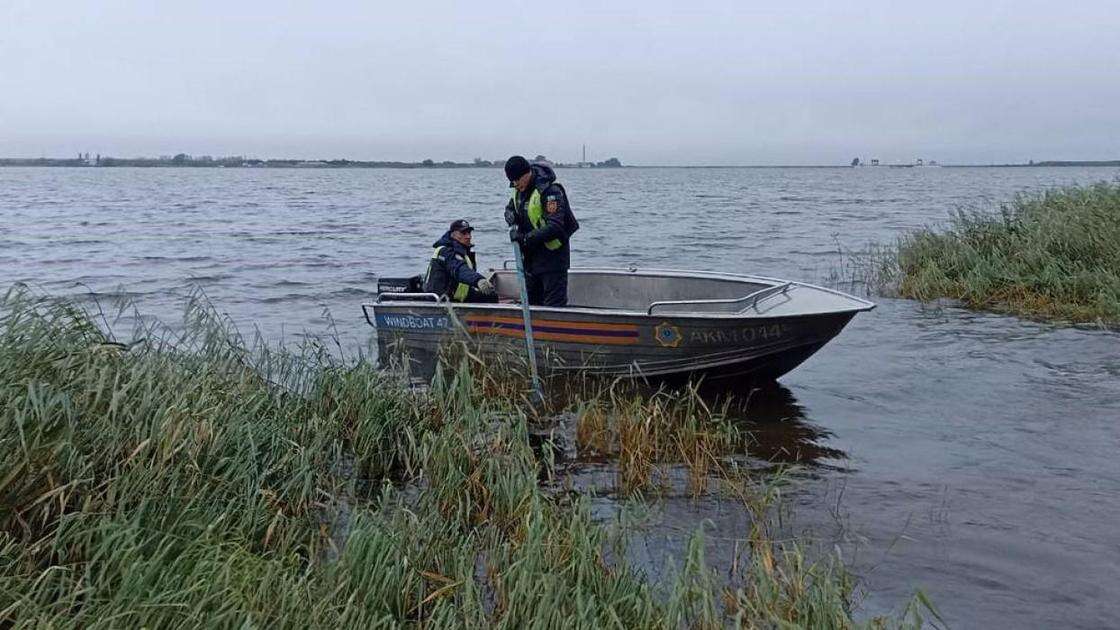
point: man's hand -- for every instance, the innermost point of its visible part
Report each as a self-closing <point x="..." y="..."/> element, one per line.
<point x="485" y="287"/>
<point x="511" y="217"/>
<point x="516" y="235"/>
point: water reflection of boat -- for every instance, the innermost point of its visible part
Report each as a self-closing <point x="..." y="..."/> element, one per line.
<point x="776" y="423"/>
<point x="650" y="324"/>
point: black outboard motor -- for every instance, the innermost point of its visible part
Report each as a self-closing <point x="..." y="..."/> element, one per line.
<point x="413" y="284"/>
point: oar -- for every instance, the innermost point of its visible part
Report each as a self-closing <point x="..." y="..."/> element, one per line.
<point x="538" y="392"/>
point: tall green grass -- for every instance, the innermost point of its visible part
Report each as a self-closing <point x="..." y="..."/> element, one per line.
<point x="1051" y="255"/>
<point x="195" y="481"/>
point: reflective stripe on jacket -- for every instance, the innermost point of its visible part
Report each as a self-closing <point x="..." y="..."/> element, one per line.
<point x="535" y="212"/>
<point x="451" y="268"/>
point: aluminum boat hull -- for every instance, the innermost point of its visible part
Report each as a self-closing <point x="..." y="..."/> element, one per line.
<point x="620" y="325"/>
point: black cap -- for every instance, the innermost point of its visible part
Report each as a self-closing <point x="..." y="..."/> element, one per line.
<point x="516" y="166"/>
<point x="461" y="225"/>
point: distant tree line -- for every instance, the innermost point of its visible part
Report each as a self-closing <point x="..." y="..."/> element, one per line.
<point x="1076" y="163"/>
<point x="185" y="160"/>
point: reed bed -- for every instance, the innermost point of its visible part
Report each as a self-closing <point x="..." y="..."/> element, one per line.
<point x="192" y="480"/>
<point x="645" y="433"/>
<point x="1050" y="255"/>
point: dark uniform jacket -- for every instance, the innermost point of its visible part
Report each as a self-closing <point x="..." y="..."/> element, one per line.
<point x="559" y="224"/>
<point x="450" y="267"/>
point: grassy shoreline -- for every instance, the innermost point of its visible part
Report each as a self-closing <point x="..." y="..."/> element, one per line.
<point x="1053" y="255"/>
<point x="174" y="482"/>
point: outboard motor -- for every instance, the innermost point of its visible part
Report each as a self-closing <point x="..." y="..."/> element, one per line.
<point x="413" y="284"/>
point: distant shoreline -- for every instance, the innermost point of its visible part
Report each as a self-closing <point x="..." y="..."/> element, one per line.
<point x="111" y="162"/>
<point x="1082" y="163"/>
<point x="183" y="160"/>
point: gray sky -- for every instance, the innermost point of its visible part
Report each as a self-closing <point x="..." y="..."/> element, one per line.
<point x="650" y="82"/>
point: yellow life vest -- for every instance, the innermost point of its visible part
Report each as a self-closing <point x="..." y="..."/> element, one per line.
<point x="462" y="288"/>
<point x="536" y="214"/>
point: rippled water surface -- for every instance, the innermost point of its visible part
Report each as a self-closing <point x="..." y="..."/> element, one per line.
<point x="972" y="455"/>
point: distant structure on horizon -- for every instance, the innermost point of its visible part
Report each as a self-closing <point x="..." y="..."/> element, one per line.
<point x="875" y="162"/>
<point x="583" y="163"/>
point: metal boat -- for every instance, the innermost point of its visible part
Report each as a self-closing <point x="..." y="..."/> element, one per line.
<point x="654" y="324"/>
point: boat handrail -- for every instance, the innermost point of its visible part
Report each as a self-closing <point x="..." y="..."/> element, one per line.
<point x="435" y="297"/>
<point x="377" y="300"/>
<point x="755" y="297"/>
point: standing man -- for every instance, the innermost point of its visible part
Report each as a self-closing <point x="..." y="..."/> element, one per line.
<point x="541" y="223"/>
<point x="452" y="268"/>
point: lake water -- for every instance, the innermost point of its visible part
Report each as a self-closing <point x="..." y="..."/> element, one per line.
<point x="968" y="454"/>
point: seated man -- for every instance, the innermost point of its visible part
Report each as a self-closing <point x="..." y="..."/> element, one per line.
<point x="451" y="271"/>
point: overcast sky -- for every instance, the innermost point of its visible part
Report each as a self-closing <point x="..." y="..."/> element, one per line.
<point x="650" y="82"/>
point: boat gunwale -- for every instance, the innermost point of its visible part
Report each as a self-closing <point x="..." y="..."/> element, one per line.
<point x="865" y="305"/>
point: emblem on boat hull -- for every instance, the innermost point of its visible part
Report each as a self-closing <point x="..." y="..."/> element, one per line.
<point x="668" y="335"/>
